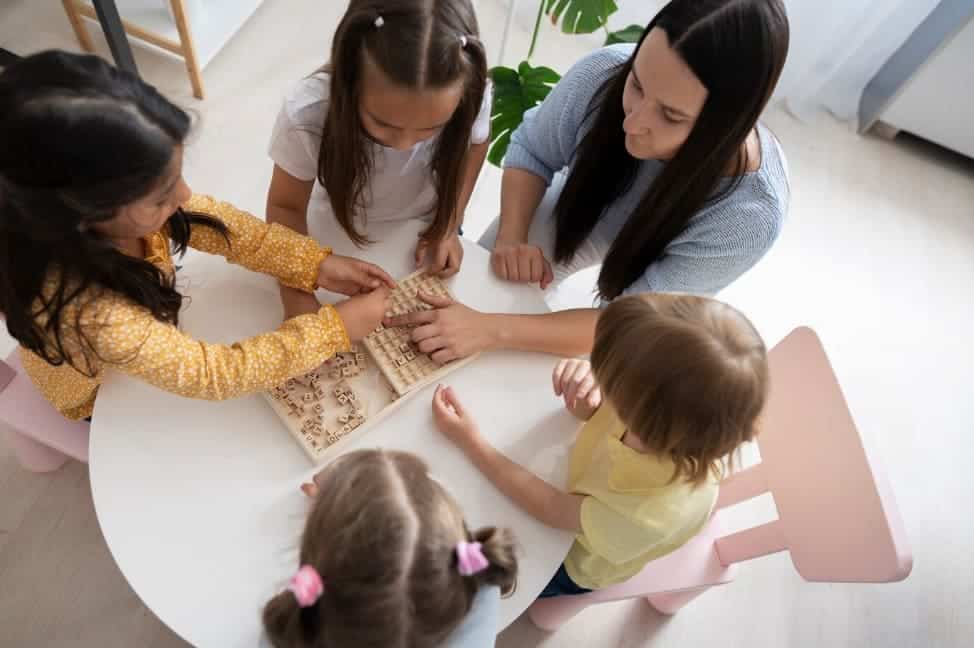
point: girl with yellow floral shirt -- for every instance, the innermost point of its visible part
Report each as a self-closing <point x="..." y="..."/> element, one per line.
<point x="92" y="201"/>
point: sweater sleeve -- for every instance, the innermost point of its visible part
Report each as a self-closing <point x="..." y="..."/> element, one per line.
<point x="546" y="140"/>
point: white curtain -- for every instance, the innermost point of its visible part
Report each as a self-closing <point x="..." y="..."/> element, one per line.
<point x="837" y="46"/>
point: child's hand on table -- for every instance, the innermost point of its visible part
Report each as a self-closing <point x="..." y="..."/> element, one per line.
<point x="443" y="257"/>
<point x="451" y="420"/>
<point x="573" y="379"/>
<point x="347" y="276"/>
<point x="363" y="313"/>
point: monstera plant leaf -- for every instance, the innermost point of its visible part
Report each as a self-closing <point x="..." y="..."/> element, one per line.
<point x="630" y="34"/>
<point x="580" y="16"/>
<point x="515" y="91"/>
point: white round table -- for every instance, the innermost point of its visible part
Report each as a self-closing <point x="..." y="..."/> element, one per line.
<point x="199" y="501"/>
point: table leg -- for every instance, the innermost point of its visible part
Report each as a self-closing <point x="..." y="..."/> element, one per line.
<point x="111" y="24"/>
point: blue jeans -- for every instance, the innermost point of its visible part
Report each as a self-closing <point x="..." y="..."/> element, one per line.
<point x="561" y="584"/>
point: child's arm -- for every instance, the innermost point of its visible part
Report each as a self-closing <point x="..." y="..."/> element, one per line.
<point x="536" y="496"/>
<point x="295" y="260"/>
<point x="127" y="338"/>
<point x="446" y="255"/>
<point x="287" y="204"/>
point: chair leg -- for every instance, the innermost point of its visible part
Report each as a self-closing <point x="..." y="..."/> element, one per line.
<point x="35" y="456"/>
<point x="78" y="24"/>
<point x="189" y="49"/>
<point x="552" y="613"/>
<point x="671" y="602"/>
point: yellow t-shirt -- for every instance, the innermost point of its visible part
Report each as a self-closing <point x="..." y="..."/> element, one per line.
<point x="631" y="515"/>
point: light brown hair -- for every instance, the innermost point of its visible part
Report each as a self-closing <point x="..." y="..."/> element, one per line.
<point x="687" y="375"/>
<point x="419" y="47"/>
<point x="382" y="535"/>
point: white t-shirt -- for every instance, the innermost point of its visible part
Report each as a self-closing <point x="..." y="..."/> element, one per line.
<point x="401" y="186"/>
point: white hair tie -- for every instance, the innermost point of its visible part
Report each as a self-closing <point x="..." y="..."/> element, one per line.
<point x="379" y="22"/>
<point x="463" y="41"/>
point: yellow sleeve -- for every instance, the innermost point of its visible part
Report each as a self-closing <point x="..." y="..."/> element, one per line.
<point x="128" y="339"/>
<point x="268" y="248"/>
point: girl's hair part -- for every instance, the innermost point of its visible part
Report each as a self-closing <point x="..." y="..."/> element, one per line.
<point x="687" y="375"/>
<point x="80" y="139"/>
<point x="420" y="45"/>
<point x="383" y="537"/>
<point x="736" y="48"/>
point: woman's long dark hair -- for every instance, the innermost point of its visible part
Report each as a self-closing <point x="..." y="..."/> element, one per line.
<point x="418" y="46"/>
<point x="78" y="140"/>
<point x="736" y="48"/>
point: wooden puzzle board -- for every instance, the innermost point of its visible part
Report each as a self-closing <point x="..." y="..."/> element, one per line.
<point x="401" y="362"/>
<point x="353" y="391"/>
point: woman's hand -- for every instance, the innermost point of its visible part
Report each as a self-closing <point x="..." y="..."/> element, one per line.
<point x="448" y="332"/>
<point x="363" y="313"/>
<point x="347" y="276"/>
<point x="573" y="379"/>
<point x="516" y="261"/>
<point x="443" y="257"/>
<point x="451" y="420"/>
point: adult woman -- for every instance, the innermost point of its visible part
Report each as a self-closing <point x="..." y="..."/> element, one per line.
<point x="672" y="185"/>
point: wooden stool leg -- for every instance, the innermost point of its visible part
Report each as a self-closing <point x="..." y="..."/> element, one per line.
<point x="671" y="602"/>
<point x="34" y="456"/>
<point x="189" y="50"/>
<point x="78" y="24"/>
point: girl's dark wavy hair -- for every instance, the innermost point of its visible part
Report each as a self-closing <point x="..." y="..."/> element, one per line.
<point x="78" y="140"/>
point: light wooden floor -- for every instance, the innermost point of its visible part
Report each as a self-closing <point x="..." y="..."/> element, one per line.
<point x="878" y="256"/>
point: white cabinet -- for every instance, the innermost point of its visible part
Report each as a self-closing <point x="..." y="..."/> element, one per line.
<point x="937" y="103"/>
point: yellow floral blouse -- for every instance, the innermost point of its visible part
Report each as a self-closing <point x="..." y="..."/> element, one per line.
<point x="125" y="337"/>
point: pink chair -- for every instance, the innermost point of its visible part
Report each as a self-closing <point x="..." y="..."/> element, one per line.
<point x="836" y="513"/>
<point x="41" y="438"/>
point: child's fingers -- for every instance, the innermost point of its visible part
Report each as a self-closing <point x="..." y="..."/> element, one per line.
<point x="584" y="388"/>
<point x="594" y="397"/>
<point x="558" y="374"/>
<point x="434" y="300"/>
<point x="547" y="276"/>
<point x="578" y="375"/>
<point x="450" y="397"/>
<point x="379" y="276"/>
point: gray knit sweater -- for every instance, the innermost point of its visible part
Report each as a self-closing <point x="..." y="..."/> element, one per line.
<point x="721" y="241"/>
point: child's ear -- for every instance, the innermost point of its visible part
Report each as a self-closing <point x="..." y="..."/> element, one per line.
<point x="310" y="489"/>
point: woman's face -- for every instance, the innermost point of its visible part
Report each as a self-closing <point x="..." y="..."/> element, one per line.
<point x="662" y="100"/>
<point x="149" y="213"/>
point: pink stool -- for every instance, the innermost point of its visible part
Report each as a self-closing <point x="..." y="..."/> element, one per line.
<point x="836" y="514"/>
<point x="40" y="437"/>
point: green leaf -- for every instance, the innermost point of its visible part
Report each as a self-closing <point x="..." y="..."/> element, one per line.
<point x="580" y="16"/>
<point x="630" y="34"/>
<point x="515" y="92"/>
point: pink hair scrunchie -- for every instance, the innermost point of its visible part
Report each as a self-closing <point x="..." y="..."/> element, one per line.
<point x="307" y="586"/>
<point x="470" y="558"/>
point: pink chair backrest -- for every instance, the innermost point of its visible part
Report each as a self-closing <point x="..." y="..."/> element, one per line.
<point x="836" y="512"/>
<point x="7" y="374"/>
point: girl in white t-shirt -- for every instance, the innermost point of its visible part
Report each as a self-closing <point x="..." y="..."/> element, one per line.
<point x="391" y="133"/>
